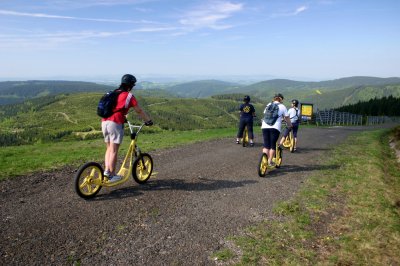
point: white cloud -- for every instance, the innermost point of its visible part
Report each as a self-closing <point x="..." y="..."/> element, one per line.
<point x="210" y="16"/>
<point x="299" y="10"/>
<point x="44" y="40"/>
<point x="75" y="4"/>
<point x="292" y="13"/>
<point x="40" y="15"/>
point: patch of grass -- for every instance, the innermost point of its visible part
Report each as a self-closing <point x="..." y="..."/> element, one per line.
<point x="223" y="255"/>
<point x="395" y="137"/>
<point x="20" y="160"/>
<point x="347" y="214"/>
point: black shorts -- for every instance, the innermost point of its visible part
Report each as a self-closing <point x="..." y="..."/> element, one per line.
<point x="295" y="128"/>
<point x="270" y="136"/>
<point x="245" y="122"/>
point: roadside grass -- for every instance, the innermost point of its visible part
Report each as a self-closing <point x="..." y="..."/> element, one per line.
<point x="346" y="214"/>
<point x="20" y="160"/>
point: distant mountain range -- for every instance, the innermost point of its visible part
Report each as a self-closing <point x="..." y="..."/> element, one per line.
<point x="325" y="94"/>
<point x="18" y="91"/>
<point x="202" y="88"/>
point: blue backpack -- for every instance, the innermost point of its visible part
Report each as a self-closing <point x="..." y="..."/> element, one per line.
<point x="271" y="114"/>
<point x="107" y="103"/>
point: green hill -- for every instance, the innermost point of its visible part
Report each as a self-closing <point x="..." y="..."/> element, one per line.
<point x="331" y="93"/>
<point x="18" y="91"/>
<point x="202" y="88"/>
<point x="387" y="106"/>
<point x="326" y="94"/>
<point x="279" y="85"/>
<point x="55" y="118"/>
<point x="333" y="99"/>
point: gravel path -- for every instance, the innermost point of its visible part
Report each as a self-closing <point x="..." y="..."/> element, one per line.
<point x="201" y="194"/>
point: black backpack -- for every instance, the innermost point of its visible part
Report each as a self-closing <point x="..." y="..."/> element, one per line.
<point x="107" y="103"/>
<point x="271" y="114"/>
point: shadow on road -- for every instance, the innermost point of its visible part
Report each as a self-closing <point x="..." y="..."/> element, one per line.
<point x="290" y="168"/>
<point x="201" y="184"/>
<point x="306" y="150"/>
<point x="121" y="193"/>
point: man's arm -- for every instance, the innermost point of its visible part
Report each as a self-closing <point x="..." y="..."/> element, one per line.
<point x="288" y="122"/>
<point x="145" y="117"/>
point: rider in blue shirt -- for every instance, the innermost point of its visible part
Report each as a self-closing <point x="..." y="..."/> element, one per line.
<point x="247" y="112"/>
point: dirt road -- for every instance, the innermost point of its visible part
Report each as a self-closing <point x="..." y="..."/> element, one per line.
<point x="202" y="193"/>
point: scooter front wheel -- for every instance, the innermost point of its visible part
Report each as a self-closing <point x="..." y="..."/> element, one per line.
<point x="88" y="180"/>
<point x="291" y="142"/>
<point x="245" y="140"/>
<point x="142" y="168"/>
<point x="278" y="157"/>
<point x="263" y="165"/>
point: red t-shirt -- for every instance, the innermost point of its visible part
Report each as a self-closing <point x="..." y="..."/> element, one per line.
<point x="125" y="101"/>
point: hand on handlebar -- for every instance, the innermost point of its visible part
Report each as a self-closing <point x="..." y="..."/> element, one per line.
<point x="148" y="123"/>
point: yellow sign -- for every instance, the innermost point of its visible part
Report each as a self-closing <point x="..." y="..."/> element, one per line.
<point x="306" y="109"/>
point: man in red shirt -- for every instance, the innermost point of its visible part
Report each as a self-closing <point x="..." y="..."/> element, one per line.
<point x="113" y="126"/>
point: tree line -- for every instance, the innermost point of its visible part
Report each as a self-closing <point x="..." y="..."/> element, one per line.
<point x="386" y="106"/>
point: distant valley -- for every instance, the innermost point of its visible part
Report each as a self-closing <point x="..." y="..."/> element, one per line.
<point x="324" y="94"/>
<point x="33" y="111"/>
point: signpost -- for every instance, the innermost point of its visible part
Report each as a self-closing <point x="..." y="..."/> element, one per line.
<point x="306" y="111"/>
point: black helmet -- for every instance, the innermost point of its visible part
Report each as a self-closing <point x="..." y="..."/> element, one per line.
<point x="278" y="95"/>
<point x="246" y="98"/>
<point x="128" y="79"/>
<point x="295" y="102"/>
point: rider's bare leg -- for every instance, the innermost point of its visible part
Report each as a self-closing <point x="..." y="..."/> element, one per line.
<point x="111" y="157"/>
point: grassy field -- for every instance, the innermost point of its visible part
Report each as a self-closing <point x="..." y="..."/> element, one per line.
<point x="19" y="160"/>
<point x="346" y="215"/>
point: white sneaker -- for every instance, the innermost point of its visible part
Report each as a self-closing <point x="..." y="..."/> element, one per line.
<point x="107" y="173"/>
<point x="115" y="178"/>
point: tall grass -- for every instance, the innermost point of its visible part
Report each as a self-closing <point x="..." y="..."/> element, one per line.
<point x="348" y="214"/>
<point x="19" y="160"/>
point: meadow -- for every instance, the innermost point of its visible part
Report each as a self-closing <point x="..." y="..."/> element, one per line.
<point x="347" y="214"/>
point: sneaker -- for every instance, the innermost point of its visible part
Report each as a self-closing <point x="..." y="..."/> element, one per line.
<point x="237" y="142"/>
<point x="252" y="144"/>
<point x="271" y="164"/>
<point x="107" y="173"/>
<point x="114" y="178"/>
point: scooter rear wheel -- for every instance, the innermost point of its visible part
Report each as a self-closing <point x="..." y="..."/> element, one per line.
<point x="87" y="180"/>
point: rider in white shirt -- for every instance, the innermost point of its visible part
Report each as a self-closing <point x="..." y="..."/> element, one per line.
<point x="271" y="132"/>
<point x="294" y="114"/>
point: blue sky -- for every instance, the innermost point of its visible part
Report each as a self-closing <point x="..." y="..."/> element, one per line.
<point x="303" y="40"/>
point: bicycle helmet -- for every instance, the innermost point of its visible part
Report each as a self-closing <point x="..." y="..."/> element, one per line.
<point x="295" y="102"/>
<point x="246" y="98"/>
<point x="128" y="79"/>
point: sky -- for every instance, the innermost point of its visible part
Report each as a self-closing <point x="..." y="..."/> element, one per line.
<point x="296" y="39"/>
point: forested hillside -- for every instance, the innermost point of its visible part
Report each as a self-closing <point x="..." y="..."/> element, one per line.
<point x="324" y="94"/>
<point x="387" y="106"/>
<point x="202" y="88"/>
<point x="55" y="118"/>
<point x="334" y="99"/>
<point x="18" y="91"/>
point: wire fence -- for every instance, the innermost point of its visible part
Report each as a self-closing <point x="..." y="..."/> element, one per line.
<point x="335" y="118"/>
